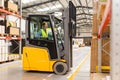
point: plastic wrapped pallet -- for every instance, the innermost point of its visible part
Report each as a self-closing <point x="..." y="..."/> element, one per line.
<point x="3" y="51"/>
<point x="2" y="29"/>
<point x="2" y="3"/>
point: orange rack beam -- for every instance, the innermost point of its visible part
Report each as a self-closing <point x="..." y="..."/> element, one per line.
<point x="10" y="13"/>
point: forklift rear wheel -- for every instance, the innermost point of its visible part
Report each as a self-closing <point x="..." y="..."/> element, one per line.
<point x="60" y="68"/>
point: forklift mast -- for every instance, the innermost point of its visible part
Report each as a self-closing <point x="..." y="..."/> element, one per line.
<point x="69" y="32"/>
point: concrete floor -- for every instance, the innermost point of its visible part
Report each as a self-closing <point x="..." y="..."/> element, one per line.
<point x="84" y="72"/>
<point x="13" y="70"/>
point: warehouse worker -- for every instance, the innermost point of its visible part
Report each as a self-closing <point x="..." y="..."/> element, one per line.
<point x="46" y="32"/>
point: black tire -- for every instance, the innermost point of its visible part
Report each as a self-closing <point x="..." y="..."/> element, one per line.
<point x="60" y="68"/>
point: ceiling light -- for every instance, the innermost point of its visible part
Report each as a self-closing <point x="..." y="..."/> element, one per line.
<point x="50" y="8"/>
<point x="27" y="1"/>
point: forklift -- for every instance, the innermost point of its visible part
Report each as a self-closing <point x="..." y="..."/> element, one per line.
<point x="54" y="53"/>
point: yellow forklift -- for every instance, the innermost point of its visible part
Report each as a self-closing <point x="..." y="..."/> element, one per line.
<point x="54" y="52"/>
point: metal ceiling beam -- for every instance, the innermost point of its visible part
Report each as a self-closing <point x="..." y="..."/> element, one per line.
<point x="85" y="25"/>
<point x="84" y="14"/>
<point x="61" y="4"/>
<point x="84" y="7"/>
<point x="85" y="18"/>
<point x="67" y="1"/>
<point x="49" y="1"/>
<point x="50" y="12"/>
<point x="83" y="37"/>
<point x="84" y="32"/>
<point x="87" y="7"/>
<point x="78" y="8"/>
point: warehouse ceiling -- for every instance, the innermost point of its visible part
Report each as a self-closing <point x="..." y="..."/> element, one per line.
<point x="56" y="7"/>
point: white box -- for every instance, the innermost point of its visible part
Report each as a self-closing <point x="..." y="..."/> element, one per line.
<point x="2" y="29"/>
<point x="2" y="3"/>
<point x="6" y="57"/>
<point x="0" y="58"/>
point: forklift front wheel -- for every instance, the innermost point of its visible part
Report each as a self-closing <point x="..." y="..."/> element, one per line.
<point x="60" y="68"/>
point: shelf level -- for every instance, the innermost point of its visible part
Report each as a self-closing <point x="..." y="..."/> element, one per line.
<point x="106" y="18"/>
<point x="10" y="38"/>
<point x="10" y="13"/>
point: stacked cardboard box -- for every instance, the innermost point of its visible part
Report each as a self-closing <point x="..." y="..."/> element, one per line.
<point x="13" y="31"/>
<point x="99" y="8"/>
<point x="94" y="54"/>
<point x="10" y="23"/>
<point x="11" y="28"/>
<point x="3" y="51"/>
<point x="95" y="25"/>
<point x="2" y="29"/>
<point x="105" y="38"/>
<point x="94" y="41"/>
<point x="11" y="6"/>
<point x="106" y="53"/>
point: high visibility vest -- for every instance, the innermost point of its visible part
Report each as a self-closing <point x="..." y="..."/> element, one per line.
<point x="45" y="34"/>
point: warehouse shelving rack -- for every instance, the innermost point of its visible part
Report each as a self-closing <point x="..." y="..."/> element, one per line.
<point x="8" y="37"/>
<point x="105" y="21"/>
<point x="114" y="8"/>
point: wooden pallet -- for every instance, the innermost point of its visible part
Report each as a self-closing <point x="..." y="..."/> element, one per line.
<point x="10" y="10"/>
<point x="1" y="7"/>
<point x="6" y="61"/>
<point x="98" y="76"/>
<point x="3" y="35"/>
<point x="11" y="35"/>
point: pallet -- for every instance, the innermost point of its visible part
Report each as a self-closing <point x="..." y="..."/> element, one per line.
<point x="11" y="35"/>
<point x="98" y="76"/>
<point x="10" y="10"/>
<point x="3" y="35"/>
<point x="1" y="7"/>
<point x="6" y="61"/>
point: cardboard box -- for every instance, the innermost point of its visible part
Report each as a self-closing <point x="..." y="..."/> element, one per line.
<point x="11" y="6"/>
<point x="107" y="29"/>
<point x="94" y="36"/>
<point x="95" y="7"/>
<point x="101" y="12"/>
<point x="94" y="55"/>
<point x="13" y="31"/>
<point x="106" y="56"/>
<point x="10" y="23"/>
<point x="95" y="24"/>
<point x="2" y="29"/>
<point x="2" y="3"/>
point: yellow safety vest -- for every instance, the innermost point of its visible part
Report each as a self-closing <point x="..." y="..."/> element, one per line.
<point x="45" y="34"/>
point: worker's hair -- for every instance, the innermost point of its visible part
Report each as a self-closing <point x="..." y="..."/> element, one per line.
<point x="44" y="23"/>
